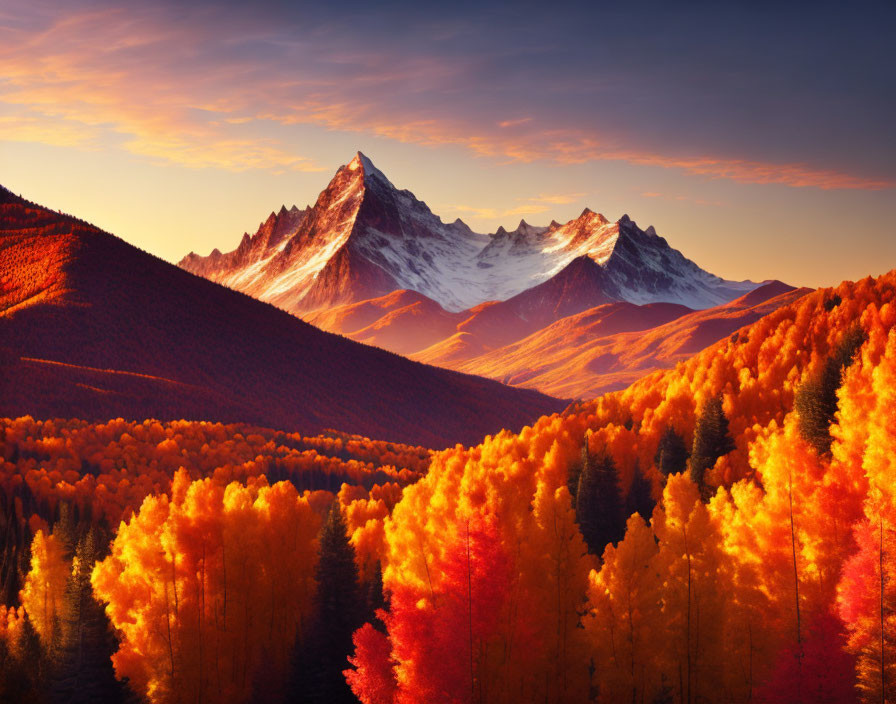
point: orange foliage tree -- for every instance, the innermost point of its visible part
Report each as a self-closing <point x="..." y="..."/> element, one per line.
<point x="718" y="593"/>
<point x="867" y="591"/>
<point x="43" y="595"/>
<point x="209" y="589"/>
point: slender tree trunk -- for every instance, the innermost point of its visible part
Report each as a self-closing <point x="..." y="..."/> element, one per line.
<point x="796" y="588"/>
<point x="47" y="620"/>
<point x="696" y="665"/>
<point x="561" y="611"/>
<point x="168" y="624"/>
<point x="470" y="614"/>
<point x="200" y="619"/>
<point x="631" y="638"/>
<point x="680" y="684"/>
<point x="432" y="593"/>
<point x="174" y="580"/>
<point x="883" y="672"/>
<point x="750" y="680"/>
<point x="217" y="650"/>
<point x="687" y="553"/>
<point x="245" y="662"/>
<point x="224" y="578"/>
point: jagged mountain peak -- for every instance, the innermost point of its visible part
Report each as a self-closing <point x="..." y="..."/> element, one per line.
<point x="364" y="238"/>
<point x="591" y="217"/>
<point x="362" y="164"/>
<point x="522" y="231"/>
<point x="526" y="229"/>
<point x="360" y="160"/>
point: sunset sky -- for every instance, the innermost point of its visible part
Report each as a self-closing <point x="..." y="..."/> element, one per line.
<point x="756" y="139"/>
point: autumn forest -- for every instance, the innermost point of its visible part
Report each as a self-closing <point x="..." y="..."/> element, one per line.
<point x="721" y="531"/>
<point x="406" y="352"/>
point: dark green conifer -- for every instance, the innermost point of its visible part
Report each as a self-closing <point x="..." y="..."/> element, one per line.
<point x="599" y="504"/>
<point x="671" y="453"/>
<point x="340" y="607"/>
<point x="575" y="470"/>
<point x="16" y="683"/>
<point x="33" y="662"/>
<point x="83" y="669"/>
<point x="376" y="598"/>
<point x="816" y="398"/>
<point x="712" y="440"/>
<point x="640" y="495"/>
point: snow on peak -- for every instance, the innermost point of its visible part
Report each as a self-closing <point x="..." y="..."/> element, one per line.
<point x="377" y="236"/>
<point x="357" y="162"/>
<point x="363" y="164"/>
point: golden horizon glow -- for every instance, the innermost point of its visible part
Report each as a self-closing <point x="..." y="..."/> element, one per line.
<point x="270" y="108"/>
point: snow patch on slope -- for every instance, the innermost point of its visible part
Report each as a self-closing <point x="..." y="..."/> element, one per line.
<point x="393" y="230"/>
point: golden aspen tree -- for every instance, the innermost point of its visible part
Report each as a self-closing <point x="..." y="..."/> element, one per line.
<point x="624" y="614"/>
<point x="43" y="594"/>
<point x="208" y="586"/>
<point x="694" y="569"/>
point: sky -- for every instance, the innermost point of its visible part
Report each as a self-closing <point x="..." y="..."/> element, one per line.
<point x="756" y="137"/>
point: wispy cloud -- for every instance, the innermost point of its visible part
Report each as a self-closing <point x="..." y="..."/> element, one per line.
<point x="493" y="213"/>
<point x="554" y="198"/>
<point x="530" y="205"/>
<point x="680" y="198"/>
<point x="514" y="123"/>
<point x="200" y="92"/>
<point x="90" y="79"/>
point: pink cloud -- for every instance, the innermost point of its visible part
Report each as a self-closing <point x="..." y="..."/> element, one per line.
<point x="168" y="91"/>
<point x="514" y="123"/>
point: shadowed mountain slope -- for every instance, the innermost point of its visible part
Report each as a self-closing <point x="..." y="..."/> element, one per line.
<point x="92" y="327"/>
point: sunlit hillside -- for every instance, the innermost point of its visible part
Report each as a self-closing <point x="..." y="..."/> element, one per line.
<point x="761" y="472"/>
<point x="720" y="531"/>
<point x="611" y="346"/>
<point x="92" y="327"/>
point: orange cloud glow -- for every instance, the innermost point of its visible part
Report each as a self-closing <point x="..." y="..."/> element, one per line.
<point x="138" y="81"/>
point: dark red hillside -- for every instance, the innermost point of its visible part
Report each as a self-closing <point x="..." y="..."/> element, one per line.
<point x="92" y="327"/>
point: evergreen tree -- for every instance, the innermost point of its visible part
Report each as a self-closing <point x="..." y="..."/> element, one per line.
<point x="816" y="398"/>
<point x="671" y="453"/>
<point x="712" y="440"/>
<point x="15" y="682"/>
<point x="339" y="610"/>
<point x="83" y="670"/>
<point x="376" y="598"/>
<point x="33" y="665"/>
<point x="575" y="470"/>
<point x="11" y="543"/>
<point x="65" y="528"/>
<point x="599" y="504"/>
<point x="640" y="495"/>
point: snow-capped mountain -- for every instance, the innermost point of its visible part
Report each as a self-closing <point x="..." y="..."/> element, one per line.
<point x="93" y="328"/>
<point x="364" y="238"/>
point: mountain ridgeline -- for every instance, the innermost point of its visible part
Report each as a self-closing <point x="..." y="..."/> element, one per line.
<point x="364" y="238"/>
<point x="373" y="263"/>
<point x="91" y="327"/>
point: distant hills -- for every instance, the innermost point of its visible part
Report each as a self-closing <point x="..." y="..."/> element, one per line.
<point x="564" y="309"/>
<point x="92" y="327"/>
<point x="364" y="238"/>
